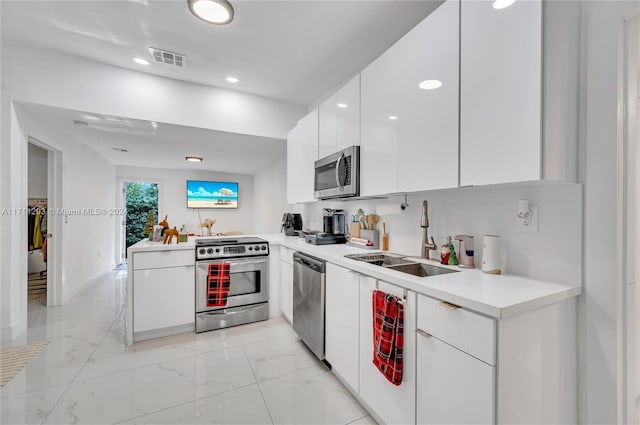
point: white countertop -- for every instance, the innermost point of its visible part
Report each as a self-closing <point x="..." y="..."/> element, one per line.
<point x="498" y="296"/>
<point x="145" y="245"/>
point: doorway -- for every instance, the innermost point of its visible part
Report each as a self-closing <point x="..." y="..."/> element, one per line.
<point x="44" y="242"/>
<point x="37" y="219"/>
<point x="140" y="201"/>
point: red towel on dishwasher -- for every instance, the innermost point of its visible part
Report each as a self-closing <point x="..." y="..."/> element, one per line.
<point x="388" y="340"/>
<point x="218" y="284"/>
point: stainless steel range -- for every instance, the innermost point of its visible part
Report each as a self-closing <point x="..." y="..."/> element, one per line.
<point x="248" y="296"/>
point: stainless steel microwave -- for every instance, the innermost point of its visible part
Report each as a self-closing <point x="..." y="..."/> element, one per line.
<point x="338" y="175"/>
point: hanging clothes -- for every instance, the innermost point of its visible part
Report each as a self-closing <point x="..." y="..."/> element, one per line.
<point x="37" y="232"/>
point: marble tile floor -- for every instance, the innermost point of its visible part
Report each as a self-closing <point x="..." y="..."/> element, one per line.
<point x="259" y="373"/>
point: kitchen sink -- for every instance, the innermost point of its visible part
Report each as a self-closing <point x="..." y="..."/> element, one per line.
<point x="420" y="269"/>
<point x="400" y="263"/>
<point x="380" y="259"/>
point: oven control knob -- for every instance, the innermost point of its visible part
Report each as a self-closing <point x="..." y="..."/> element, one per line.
<point x="217" y="249"/>
<point x="250" y="248"/>
<point x="263" y="247"/>
<point x="257" y="248"/>
<point x="210" y="251"/>
<point x="202" y="251"/>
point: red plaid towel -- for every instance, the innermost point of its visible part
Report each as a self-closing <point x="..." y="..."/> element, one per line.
<point x="218" y="284"/>
<point x="388" y="340"/>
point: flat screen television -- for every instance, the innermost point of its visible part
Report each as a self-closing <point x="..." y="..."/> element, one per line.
<point x="209" y="194"/>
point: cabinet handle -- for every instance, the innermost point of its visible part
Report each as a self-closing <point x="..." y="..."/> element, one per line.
<point x="449" y="305"/>
<point x="423" y="333"/>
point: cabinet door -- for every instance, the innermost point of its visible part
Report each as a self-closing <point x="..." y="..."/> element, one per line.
<point x="410" y="135"/>
<point x="286" y="290"/>
<point x="302" y="152"/>
<point x="341" y="322"/>
<point x="452" y="386"/>
<point x="163" y="298"/>
<point x="500" y="92"/>
<point x="339" y="119"/>
<point x="393" y="404"/>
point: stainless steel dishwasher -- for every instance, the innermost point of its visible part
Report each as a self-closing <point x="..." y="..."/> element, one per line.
<point x="308" y="301"/>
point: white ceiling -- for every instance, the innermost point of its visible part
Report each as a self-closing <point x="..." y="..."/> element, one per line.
<point x="160" y="145"/>
<point x="294" y="51"/>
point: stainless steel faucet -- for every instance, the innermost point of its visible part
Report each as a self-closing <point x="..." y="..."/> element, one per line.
<point x="424" y="223"/>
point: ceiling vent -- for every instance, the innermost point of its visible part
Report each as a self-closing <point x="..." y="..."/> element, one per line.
<point x="165" y="56"/>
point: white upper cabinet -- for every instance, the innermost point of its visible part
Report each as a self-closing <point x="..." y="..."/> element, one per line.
<point x="500" y="86"/>
<point x="302" y="152"/>
<point x="339" y="118"/>
<point x="410" y="109"/>
<point x="428" y="117"/>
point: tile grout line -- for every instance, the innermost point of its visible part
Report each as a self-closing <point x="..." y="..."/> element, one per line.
<point x="73" y="380"/>
<point x="258" y="384"/>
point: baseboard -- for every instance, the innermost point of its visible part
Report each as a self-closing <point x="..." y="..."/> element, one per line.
<point x="68" y="293"/>
<point x="9" y="333"/>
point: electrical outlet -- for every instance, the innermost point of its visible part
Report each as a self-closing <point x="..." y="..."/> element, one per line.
<point x="529" y="224"/>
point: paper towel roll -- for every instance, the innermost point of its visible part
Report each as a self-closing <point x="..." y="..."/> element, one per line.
<point x="491" y="254"/>
<point x="388" y="209"/>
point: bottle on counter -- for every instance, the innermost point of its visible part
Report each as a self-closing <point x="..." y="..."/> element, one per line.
<point x="453" y="258"/>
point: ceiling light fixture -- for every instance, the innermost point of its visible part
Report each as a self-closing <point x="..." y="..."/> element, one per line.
<point x="193" y="158"/>
<point x="341" y="105"/>
<point x="501" y="4"/>
<point x="430" y="84"/>
<point x="232" y="80"/>
<point x="393" y="117"/>
<point x="141" y="61"/>
<point x="213" y="11"/>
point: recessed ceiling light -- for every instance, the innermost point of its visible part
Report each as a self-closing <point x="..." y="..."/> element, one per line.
<point x="341" y="105"/>
<point x="141" y="61"/>
<point x="501" y="4"/>
<point x="232" y="79"/>
<point x="212" y="11"/>
<point x="393" y="117"/>
<point x="90" y="117"/>
<point x="120" y="150"/>
<point x="193" y="158"/>
<point x="430" y="84"/>
<point x="154" y="125"/>
<point x="80" y="123"/>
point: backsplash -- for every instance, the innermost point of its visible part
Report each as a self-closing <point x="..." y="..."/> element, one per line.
<point x="554" y="253"/>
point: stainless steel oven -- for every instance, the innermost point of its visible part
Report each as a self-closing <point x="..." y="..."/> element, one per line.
<point x="248" y="296"/>
<point x="338" y="175"/>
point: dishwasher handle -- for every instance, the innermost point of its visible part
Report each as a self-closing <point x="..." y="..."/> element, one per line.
<point x="310" y="262"/>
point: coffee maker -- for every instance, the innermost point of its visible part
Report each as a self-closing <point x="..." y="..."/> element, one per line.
<point x="291" y="224"/>
<point x="333" y="221"/>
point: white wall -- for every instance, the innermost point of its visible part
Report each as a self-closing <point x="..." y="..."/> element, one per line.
<point x="173" y="198"/>
<point x="602" y="23"/>
<point x="37" y="180"/>
<point x="88" y="182"/>
<point x="270" y="188"/>
<point x="553" y="253"/>
<point x="50" y="78"/>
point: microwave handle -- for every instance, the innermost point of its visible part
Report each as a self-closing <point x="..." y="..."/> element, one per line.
<point x="340" y="158"/>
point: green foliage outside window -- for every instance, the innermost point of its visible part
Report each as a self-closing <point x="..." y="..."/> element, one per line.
<point x="142" y="198"/>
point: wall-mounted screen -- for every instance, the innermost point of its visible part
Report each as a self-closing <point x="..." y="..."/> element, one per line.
<point x="208" y="194"/>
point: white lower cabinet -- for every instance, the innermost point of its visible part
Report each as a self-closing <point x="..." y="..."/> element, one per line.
<point x="452" y="386"/>
<point x="342" y="323"/>
<point x="163" y="297"/>
<point x="392" y="404"/>
<point x="455" y="365"/>
<point x="286" y="283"/>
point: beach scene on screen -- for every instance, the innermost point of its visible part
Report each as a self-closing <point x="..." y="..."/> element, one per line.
<point x="205" y="194"/>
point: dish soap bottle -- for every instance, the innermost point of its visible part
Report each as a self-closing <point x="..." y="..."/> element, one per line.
<point x="453" y="258"/>
<point x="445" y="252"/>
